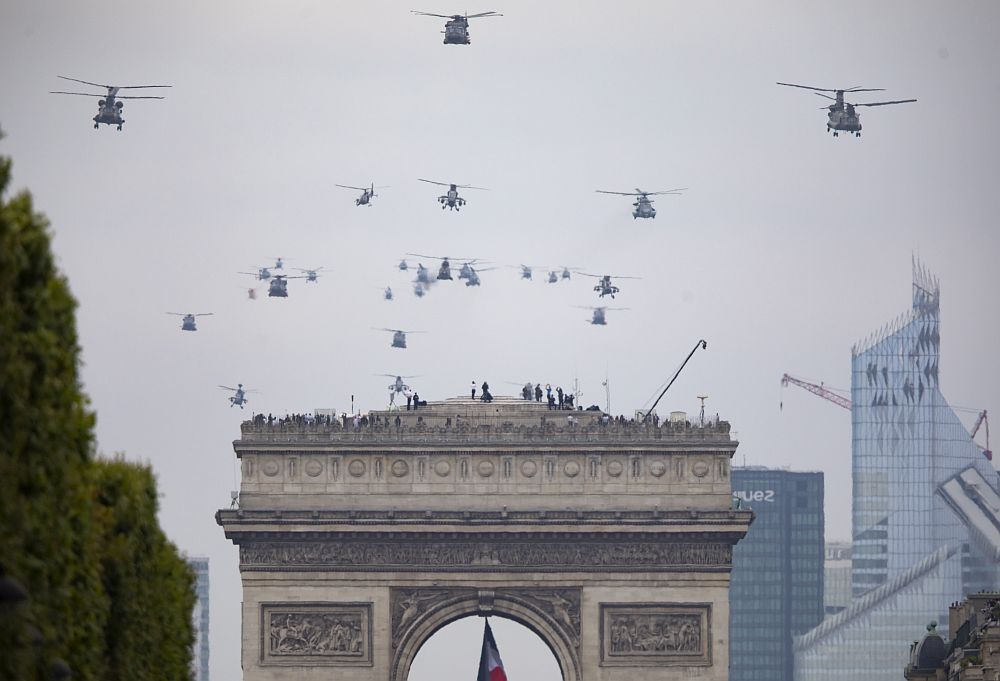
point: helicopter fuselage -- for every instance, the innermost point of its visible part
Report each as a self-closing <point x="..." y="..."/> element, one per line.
<point x="364" y="199"/>
<point x="109" y="112"/>
<point x="451" y="200"/>
<point x="278" y="288"/>
<point x="188" y="324"/>
<point x="598" y="318"/>
<point x="444" y="272"/>
<point x="456" y="32"/>
<point x="643" y="208"/>
<point x="843" y="120"/>
<point x="399" y="340"/>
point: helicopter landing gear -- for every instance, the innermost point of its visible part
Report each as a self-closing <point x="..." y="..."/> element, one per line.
<point x="836" y="134"/>
<point x="119" y="127"/>
<point x="96" y="125"/>
<point x="857" y="134"/>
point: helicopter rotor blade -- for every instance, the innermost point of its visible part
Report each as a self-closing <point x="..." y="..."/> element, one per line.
<point x="347" y="186"/>
<point x="177" y="314"/>
<point x="429" y="14"/>
<point x="137" y="97"/>
<point x="675" y="192"/>
<point x="602" y="191"/>
<point x="469" y="186"/>
<point x="226" y="387"/>
<point x="81" y="94"/>
<point x="858" y="88"/>
<point x="483" y="14"/>
<point x="203" y="314"/>
<point x="898" y="101"/>
<point x="826" y="96"/>
<point x="85" y="82"/>
<point x="138" y="87"/>
<point x="442" y="184"/>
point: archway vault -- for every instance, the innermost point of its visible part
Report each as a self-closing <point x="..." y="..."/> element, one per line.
<point x="553" y="614"/>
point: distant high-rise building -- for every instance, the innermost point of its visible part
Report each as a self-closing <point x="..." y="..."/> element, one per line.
<point x="926" y="512"/>
<point x="776" y="587"/>
<point x="837" y="577"/>
<point x="199" y="659"/>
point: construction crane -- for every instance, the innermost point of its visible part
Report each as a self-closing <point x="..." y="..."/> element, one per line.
<point x="820" y="390"/>
<point x="983" y="420"/>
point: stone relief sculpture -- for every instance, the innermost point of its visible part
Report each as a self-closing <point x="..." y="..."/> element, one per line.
<point x="475" y="555"/>
<point x="655" y="634"/>
<point x="295" y="634"/>
<point x="562" y="605"/>
<point x="315" y="634"/>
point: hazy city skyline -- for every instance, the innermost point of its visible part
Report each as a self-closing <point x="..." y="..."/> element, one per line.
<point x="788" y="248"/>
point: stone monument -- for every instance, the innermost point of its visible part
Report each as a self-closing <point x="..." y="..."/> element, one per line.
<point x="611" y="540"/>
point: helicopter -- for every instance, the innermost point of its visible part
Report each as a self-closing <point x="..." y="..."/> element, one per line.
<point x="418" y="289"/>
<point x="451" y="200"/>
<point x="109" y="108"/>
<point x="403" y="266"/>
<point x="526" y="270"/>
<point x="467" y="271"/>
<point x="262" y="273"/>
<point x="456" y="29"/>
<point x="367" y="194"/>
<point x="843" y="116"/>
<point x="397" y="387"/>
<point x="278" y="288"/>
<point x="423" y="274"/>
<point x="604" y="287"/>
<point x="643" y="204"/>
<point x="598" y="318"/>
<point x="311" y="275"/>
<point x="387" y="293"/>
<point x="279" y="263"/>
<point x="398" y="337"/>
<point x="187" y="324"/>
<point x="239" y="398"/>
<point x="252" y="294"/>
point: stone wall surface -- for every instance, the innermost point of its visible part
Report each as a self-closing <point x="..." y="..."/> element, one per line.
<point x="614" y="544"/>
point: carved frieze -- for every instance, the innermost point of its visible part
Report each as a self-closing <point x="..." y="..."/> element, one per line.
<point x="656" y="634"/>
<point x="493" y="556"/>
<point x="560" y="606"/>
<point x="316" y="634"/>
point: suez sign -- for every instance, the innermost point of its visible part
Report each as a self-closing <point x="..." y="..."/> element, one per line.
<point x="755" y="495"/>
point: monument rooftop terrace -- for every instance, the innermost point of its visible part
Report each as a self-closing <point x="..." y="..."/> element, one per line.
<point x="463" y="421"/>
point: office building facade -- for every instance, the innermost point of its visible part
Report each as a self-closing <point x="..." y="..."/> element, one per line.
<point x="777" y="580"/>
<point x="926" y="528"/>
<point x="199" y="617"/>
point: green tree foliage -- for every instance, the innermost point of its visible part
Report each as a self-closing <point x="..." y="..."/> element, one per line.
<point x="68" y="533"/>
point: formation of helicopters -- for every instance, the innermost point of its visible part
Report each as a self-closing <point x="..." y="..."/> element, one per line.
<point x="842" y="116"/>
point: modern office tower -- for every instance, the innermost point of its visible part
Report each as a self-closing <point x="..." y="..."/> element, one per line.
<point x="926" y="528"/>
<point x="837" y="577"/>
<point x="777" y="580"/>
<point x="199" y="660"/>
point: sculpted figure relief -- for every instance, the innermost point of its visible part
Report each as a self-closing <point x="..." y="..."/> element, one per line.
<point x="477" y="555"/>
<point x="301" y="633"/>
<point x="642" y="634"/>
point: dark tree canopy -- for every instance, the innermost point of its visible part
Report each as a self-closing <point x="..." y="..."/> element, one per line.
<point x="107" y="592"/>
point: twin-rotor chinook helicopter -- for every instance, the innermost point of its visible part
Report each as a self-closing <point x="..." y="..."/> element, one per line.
<point x="188" y="323"/>
<point x="643" y="204"/>
<point x="456" y="29"/>
<point x="109" y="106"/>
<point x="843" y="116"/>
<point x="451" y="199"/>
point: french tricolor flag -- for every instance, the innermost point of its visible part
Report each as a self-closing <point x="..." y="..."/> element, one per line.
<point x="490" y="666"/>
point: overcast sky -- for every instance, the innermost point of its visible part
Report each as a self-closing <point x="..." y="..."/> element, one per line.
<point x="789" y="246"/>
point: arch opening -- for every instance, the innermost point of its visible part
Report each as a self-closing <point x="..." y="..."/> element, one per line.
<point x="452" y="652"/>
<point x="545" y="633"/>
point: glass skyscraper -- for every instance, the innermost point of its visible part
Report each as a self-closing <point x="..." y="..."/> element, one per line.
<point x="199" y="616"/>
<point x="925" y="523"/>
<point x="776" y="588"/>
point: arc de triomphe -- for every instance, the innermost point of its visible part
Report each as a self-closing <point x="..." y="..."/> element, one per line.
<point x="612" y="542"/>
